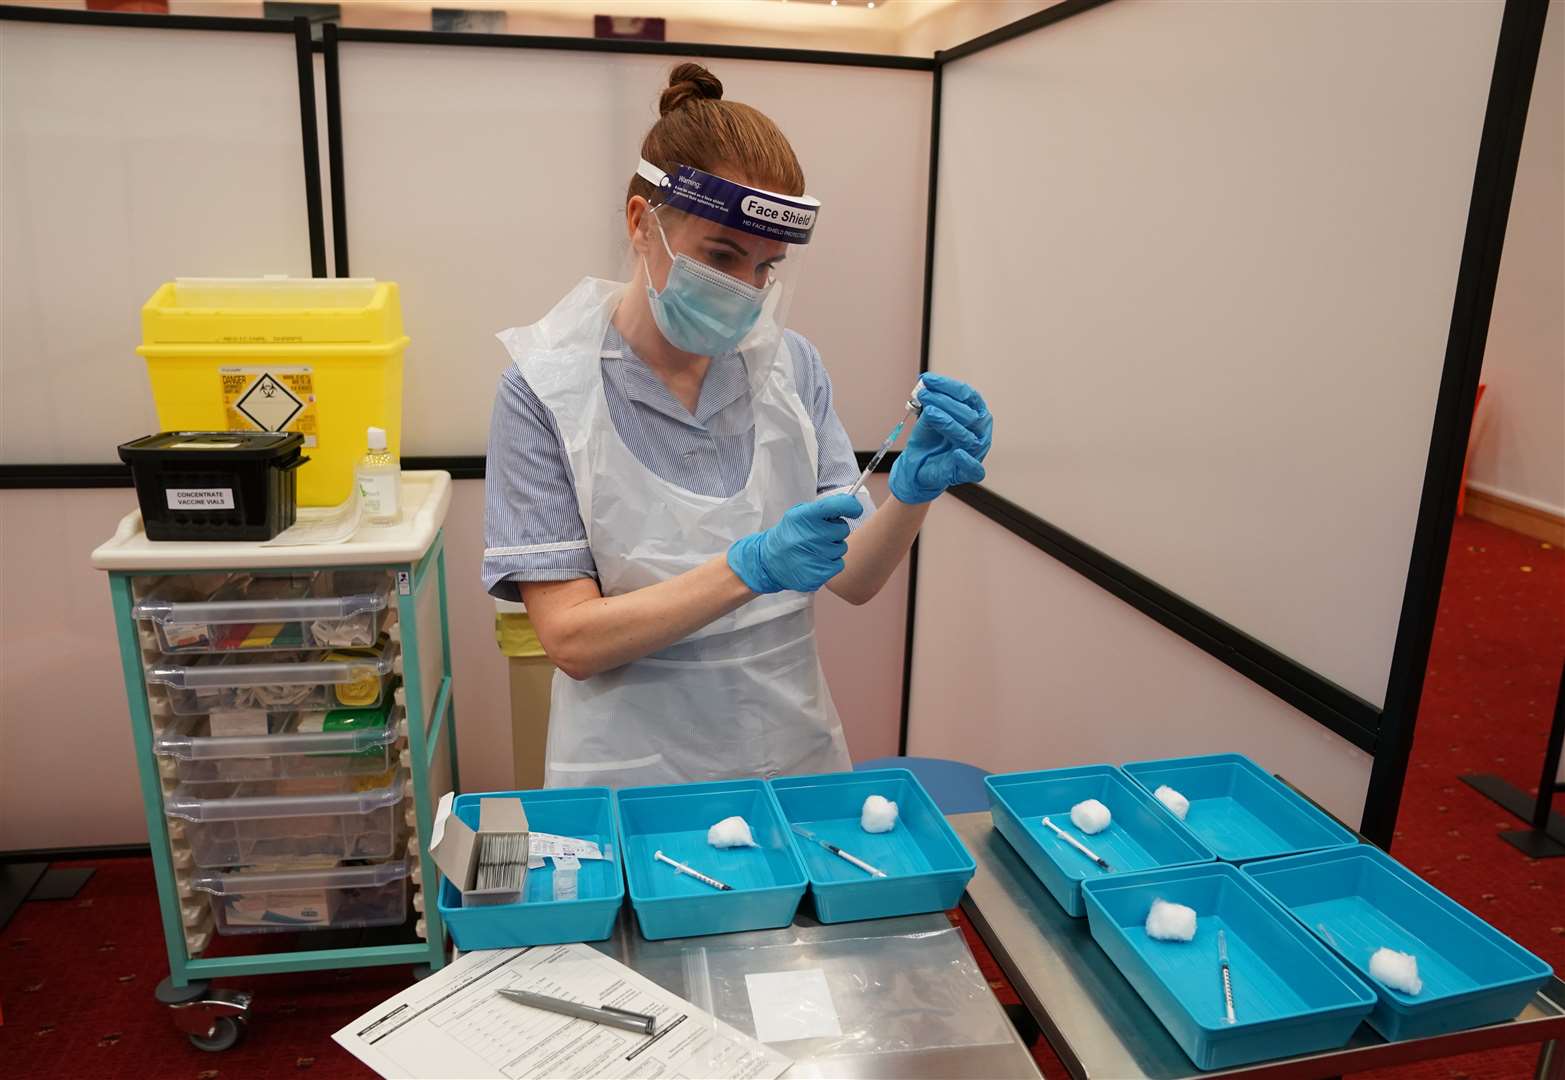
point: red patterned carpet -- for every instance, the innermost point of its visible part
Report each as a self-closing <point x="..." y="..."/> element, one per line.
<point x="76" y="976"/>
<point x="1488" y="700"/>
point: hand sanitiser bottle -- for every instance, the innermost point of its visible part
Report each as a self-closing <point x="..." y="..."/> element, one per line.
<point x="380" y="481"/>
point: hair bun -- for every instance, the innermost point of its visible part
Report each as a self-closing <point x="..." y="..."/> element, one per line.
<point x="689" y="82"/>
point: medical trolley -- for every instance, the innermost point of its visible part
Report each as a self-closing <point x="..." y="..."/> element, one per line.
<point x="291" y="708"/>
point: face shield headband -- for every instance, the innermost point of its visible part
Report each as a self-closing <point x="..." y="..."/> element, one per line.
<point x="788" y="218"/>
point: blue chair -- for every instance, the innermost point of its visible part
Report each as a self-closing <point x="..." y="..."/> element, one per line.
<point x="956" y="787"/>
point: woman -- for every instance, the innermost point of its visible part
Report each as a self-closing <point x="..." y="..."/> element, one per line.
<point x="661" y="466"/>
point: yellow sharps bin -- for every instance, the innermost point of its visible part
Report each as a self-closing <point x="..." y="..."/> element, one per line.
<point x="320" y="356"/>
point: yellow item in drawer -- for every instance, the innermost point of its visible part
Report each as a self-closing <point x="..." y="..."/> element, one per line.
<point x="364" y="687"/>
<point x="364" y="690"/>
<point x="375" y="781"/>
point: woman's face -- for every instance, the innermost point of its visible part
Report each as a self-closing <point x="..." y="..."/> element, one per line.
<point x="751" y="259"/>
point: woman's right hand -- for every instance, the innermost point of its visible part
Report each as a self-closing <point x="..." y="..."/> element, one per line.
<point x="801" y="552"/>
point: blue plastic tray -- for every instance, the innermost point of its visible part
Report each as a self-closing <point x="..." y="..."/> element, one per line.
<point x="1472" y="973"/>
<point x="768" y="881"/>
<point x="926" y="866"/>
<point x="1239" y="810"/>
<point x="1291" y="995"/>
<point x="539" y="919"/>
<point x="1142" y="835"/>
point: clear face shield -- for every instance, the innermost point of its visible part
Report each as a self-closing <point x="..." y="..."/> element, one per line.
<point x="719" y="260"/>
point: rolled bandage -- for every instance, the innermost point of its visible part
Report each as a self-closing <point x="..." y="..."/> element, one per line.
<point x="1091" y="816"/>
<point x="350" y="631"/>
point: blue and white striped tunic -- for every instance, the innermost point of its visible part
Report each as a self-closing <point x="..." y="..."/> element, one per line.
<point x="532" y="527"/>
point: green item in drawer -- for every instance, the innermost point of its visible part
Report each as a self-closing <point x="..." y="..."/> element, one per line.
<point x="355" y="719"/>
<point x="371" y="718"/>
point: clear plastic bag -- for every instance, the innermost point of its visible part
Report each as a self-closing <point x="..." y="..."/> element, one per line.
<point x="873" y="995"/>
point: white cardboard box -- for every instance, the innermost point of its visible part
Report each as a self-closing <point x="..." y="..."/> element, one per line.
<point x="454" y="846"/>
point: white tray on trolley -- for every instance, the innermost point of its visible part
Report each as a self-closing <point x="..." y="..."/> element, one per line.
<point x="426" y="497"/>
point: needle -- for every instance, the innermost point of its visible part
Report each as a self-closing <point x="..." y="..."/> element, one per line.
<point x="1078" y="845"/>
<point x="837" y="851"/>
<point x="1228" y="981"/>
<point x="914" y="407"/>
<point x="698" y="875"/>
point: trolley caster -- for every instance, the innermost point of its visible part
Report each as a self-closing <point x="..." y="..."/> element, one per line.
<point x="226" y="1032"/>
<point x="213" y="1020"/>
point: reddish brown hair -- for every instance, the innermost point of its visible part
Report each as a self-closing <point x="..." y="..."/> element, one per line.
<point x="727" y="138"/>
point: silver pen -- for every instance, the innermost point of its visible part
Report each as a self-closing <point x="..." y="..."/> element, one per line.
<point x="598" y="1014"/>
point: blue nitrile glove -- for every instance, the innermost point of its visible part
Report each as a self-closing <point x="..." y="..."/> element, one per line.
<point x="801" y="552"/>
<point x="948" y="443"/>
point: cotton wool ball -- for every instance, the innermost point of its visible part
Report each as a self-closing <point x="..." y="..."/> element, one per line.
<point x="1177" y="804"/>
<point x="1091" y="816"/>
<point x="1170" y="922"/>
<point x="1398" y="970"/>
<point x="729" y="833"/>
<point x="879" y="815"/>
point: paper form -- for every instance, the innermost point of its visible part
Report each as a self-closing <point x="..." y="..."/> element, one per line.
<point x="454" y="1024"/>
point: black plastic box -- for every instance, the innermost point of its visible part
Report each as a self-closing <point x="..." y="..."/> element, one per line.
<point x="216" y="485"/>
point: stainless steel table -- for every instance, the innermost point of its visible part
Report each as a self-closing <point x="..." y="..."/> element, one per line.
<point x="1098" y="1024"/>
<point x="686" y="967"/>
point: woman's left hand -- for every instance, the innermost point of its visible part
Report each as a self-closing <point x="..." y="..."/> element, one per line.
<point x="948" y="444"/>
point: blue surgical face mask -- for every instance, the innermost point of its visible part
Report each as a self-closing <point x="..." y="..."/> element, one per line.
<point x="702" y="310"/>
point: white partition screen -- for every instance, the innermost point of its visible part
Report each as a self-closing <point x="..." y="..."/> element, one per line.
<point x="1064" y="674"/>
<point x="130" y="156"/>
<point x="1201" y="259"/>
<point x="487" y="181"/>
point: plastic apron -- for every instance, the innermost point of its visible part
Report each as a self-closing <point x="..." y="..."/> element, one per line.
<point x="744" y="696"/>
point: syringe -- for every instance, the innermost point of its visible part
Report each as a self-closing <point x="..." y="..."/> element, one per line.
<point x="914" y="407"/>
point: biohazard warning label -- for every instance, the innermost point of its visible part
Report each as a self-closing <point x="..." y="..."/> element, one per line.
<point x="270" y="399"/>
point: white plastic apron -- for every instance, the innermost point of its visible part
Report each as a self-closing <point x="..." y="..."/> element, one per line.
<point x="743" y="696"/>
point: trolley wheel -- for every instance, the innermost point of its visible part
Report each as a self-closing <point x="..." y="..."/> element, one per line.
<point x="169" y="994"/>
<point x="226" y="1031"/>
<point x="211" y="1019"/>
